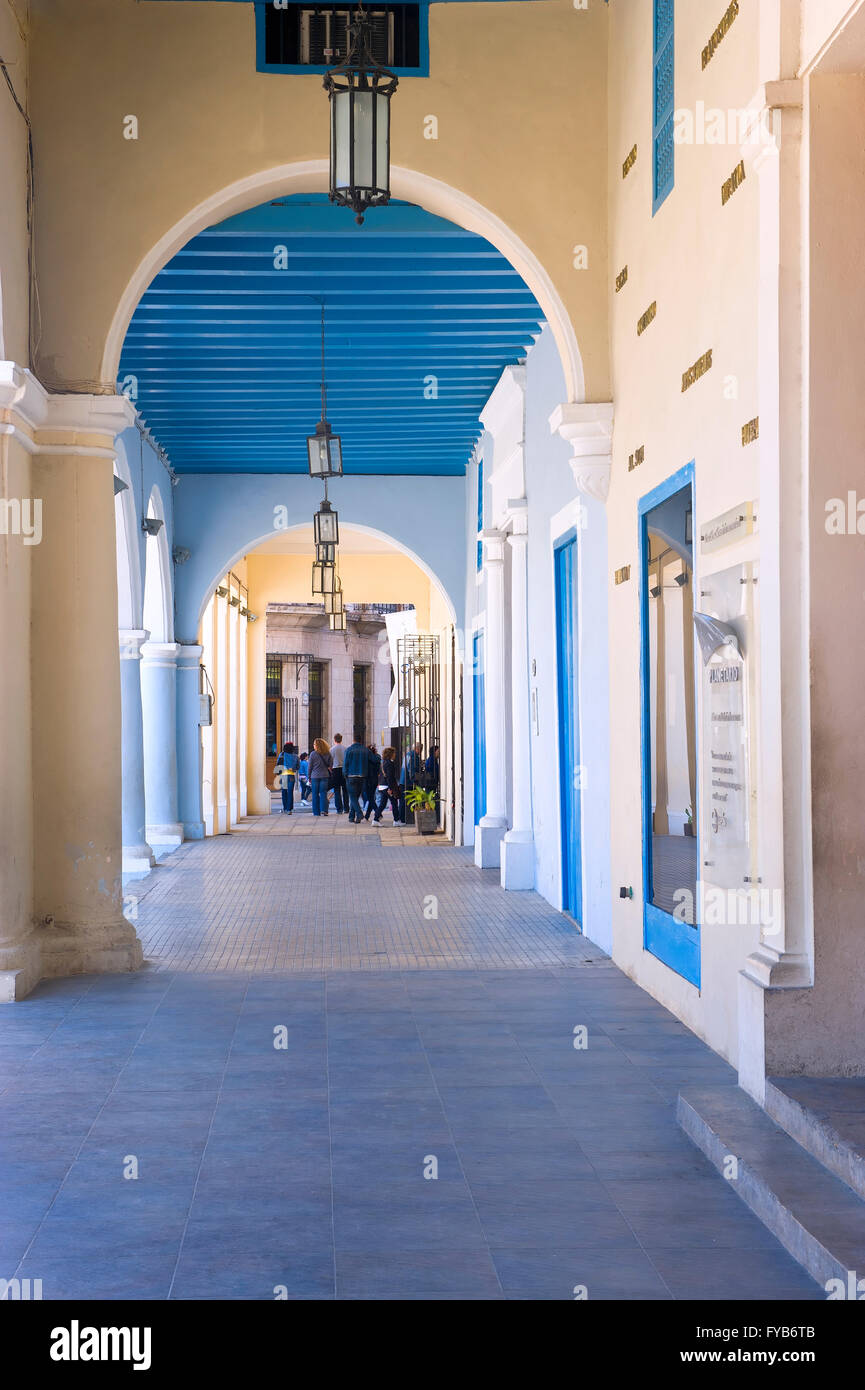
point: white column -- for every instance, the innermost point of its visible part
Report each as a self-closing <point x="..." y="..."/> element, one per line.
<point x="491" y="829"/>
<point x="138" y="858"/>
<point x="784" y="958"/>
<point x="518" y="850"/>
<point x="159" y="701"/>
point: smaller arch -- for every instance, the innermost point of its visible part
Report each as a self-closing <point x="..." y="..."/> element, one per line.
<point x="126" y="532"/>
<point x="253" y="545"/>
<point x="158" y="616"/>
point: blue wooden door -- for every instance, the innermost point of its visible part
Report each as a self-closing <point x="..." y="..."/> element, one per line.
<point x="479" y="727"/>
<point x="569" y="728"/>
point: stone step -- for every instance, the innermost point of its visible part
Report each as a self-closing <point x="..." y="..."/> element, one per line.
<point x="815" y="1216"/>
<point x="826" y="1115"/>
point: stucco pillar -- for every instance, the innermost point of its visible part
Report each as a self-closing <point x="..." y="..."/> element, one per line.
<point x="19" y="950"/>
<point x="783" y="958"/>
<point x="189" y="741"/>
<point x="257" y="792"/>
<point x="518" y="850"/>
<point x="159" y="700"/>
<point x="491" y="829"/>
<point x="138" y="856"/>
<point x="77" y="747"/>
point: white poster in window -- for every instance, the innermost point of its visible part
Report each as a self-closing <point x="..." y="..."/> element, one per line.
<point x="726" y="633"/>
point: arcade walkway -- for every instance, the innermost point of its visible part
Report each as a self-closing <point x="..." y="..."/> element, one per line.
<point x="405" y="1041"/>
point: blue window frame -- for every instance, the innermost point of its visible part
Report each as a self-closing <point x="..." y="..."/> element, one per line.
<point x="567" y="645"/>
<point x="663" y="102"/>
<point x="262" y="64"/>
<point x="667" y="859"/>
<point x="480" y="513"/>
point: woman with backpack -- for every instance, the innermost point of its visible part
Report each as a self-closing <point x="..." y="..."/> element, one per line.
<point x="289" y="762"/>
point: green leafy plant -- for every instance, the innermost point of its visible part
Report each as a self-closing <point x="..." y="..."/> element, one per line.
<point x="419" y="800"/>
<point x="690" y="815"/>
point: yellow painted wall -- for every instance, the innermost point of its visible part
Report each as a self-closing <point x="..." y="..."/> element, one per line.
<point x="699" y="261"/>
<point x="518" y="90"/>
<point x="13" y="224"/>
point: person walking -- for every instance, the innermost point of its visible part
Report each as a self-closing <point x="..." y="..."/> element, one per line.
<point x="303" y="778"/>
<point x="289" y="762"/>
<point x="409" y="773"/>
<point x="355" y="768"/>
<point x="319" y="775"/>
<point x="388" y="786"/>
<point x="373" y="777"/>
<point x="337" y="777"/>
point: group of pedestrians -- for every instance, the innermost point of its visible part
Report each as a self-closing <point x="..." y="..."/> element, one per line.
<point x="360" y="780"/>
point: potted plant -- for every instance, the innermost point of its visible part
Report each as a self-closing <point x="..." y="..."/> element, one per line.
<point x="689" y="823"/>
<point x="423" y="804"/>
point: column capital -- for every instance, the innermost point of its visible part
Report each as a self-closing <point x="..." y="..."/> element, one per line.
<point x="494" y="546"/>
<point x="189" y="655"/>
<point x="131" y="641"/>
<point x="517" y="521"/>
<point x="588" y="428"/>
<point x="160" y="653"/>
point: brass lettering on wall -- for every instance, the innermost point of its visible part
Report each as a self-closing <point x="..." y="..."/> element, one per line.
<point x="636" y="458"/>
<point x="751" y="431"/>
<point x="645" y="319"/>
<point x="700" y="368"/>
<point x="621" y="279"/>
<point x="736" y="179"/>
<point x="629" y="162"/>
<point x="623" y="575"/>
<point x="720" y="33"/>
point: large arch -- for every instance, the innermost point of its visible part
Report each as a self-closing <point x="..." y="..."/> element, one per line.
<point x="127" y="533"/>
<point x="311" y="176"/>
<point x="371" y="531"/>
<point x="158" y="616"/>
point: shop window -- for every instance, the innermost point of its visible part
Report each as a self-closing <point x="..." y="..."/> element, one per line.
<point x="670" y="829"/>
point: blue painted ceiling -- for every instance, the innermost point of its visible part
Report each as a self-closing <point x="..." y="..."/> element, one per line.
<point x="226" y="348"/>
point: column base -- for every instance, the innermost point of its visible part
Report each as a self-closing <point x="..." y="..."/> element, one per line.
<point x="752" y="1038"/>
<point x="518" y="861"/>
<point x="488" y="841"/>
<point x="164" y="839"/>
<point x="20" y="970"/>
<point x="193" y="830"/>
<point x="81" y="950"/>
<point x="138" y="860"/>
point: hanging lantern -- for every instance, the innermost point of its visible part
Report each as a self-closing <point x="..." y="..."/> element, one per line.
<point x="325" y="525"/>
<point x="325" y="452"/>
<point x="360" y="92"/>
<point x="324" y="580"/>
<point x="333" y="602"/>
<point x="324" y="447"/>
<point x="337" y="622"/>
<point x="325" y="553"/>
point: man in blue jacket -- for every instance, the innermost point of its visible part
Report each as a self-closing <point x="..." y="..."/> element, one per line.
<point x="355" y="768"/>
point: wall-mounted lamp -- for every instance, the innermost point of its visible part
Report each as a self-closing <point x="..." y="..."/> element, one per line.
<point x="681" y="579"/>
<point x="152" y="525"/>
<point x="234" y="601"/>
<point x="180" y="555"/>
<point x="119" y="485"/>
<point x="253" y="617"/>
<point x="655" y="591"/>
<point x="221" y="592"/>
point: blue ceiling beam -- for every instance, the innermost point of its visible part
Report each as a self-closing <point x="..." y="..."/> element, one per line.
<point x="225" y="346"/>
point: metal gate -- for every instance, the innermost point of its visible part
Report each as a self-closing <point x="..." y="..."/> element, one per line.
<point x="418" y="679"/>
<point x="289" y="719"/>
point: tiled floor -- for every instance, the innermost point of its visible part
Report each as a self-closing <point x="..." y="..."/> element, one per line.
<point x="286" y="1126"/>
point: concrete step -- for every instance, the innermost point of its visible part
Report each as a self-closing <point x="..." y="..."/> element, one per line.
<point x="826" y="1115"/>
<point x="815" y="1216"/>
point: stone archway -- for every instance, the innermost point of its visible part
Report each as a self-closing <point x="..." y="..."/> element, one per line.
<point x="437" y="197"/>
